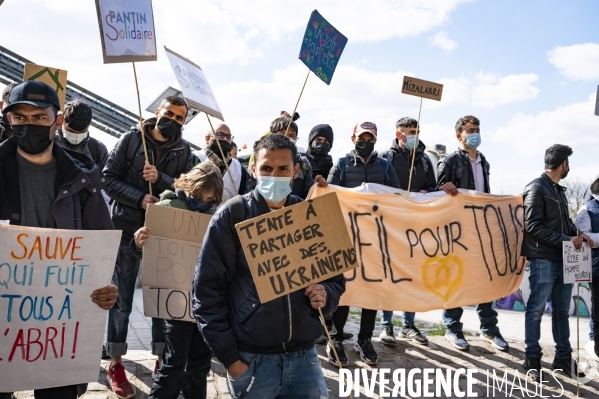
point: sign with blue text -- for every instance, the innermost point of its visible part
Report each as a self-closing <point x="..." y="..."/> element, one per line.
<point x="322" y="47"/>
<point x="51" y="331"/>
<point x="127" y="30"/>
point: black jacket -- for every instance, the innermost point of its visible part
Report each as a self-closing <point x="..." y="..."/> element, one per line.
<point x="90" y="146"/>
<point x="125" y="184"/>
<point x="226" y="303"/>
<point x="321" y="165"/>
<point x="78" y="203"/>
<point x="456" y="168"/>
<point x="304" y="180"/>
<point x="546" y="220"/>
<point x="423" y="177"/>
<point x="357" y="172"/>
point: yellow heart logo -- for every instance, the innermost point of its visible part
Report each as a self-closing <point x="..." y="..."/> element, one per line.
<point x="442" y="275"/>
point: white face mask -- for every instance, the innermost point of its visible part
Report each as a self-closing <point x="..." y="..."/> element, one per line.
<point x="74" y="138"/>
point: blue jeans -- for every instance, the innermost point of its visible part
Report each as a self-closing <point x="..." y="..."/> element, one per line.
<point x="547" y="281"/>
<point x="281" y="375"/>
<point x="118" y="316"/>
<point x="186" y="363"/>
<point x="486" y="314"/>
<point x="407" y="319"/>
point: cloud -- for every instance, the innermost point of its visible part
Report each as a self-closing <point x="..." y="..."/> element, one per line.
<point x="577" y="62"/>
<point x="493" y="90"/>
<point x="573" y="125"/>
<point x="441" y="40"/>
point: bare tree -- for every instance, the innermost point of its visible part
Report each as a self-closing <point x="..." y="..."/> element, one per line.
<point x="575" y="194"/>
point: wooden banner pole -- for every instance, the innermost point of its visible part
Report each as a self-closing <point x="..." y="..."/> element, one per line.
<point x="415" y="148"/>
<point x="222" y="154"/>
<point x="297" y="103"/>
<point x="141" y="126"/>
<point x="577" y="338"/>
<point x="326" y="330"/>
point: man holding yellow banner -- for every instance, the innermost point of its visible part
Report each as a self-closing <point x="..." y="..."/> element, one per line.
<point x="467" y="168"/>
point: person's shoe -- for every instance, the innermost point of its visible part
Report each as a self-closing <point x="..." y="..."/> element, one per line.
<point x="156" y="367"/>
<point x="347" y="335"/>
<point x="119" y="383"/>
<point x="340" y="354"/>
<point x="567" y="365"/>
<point x="366" y="350"/>
<point x="457" y="340"/>
<point x="497" y="341"/>
<point x="387" y="337"/>
<point x="322" y="340"/>
<point x="532" y="366"/>
<point x="414" y="334"/>
<point x="104" y="354"/>
<point x="590" y="348"/>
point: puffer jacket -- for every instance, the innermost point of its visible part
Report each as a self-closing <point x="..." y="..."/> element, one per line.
<point x="587" y="222"/>
<point x="456" y="168"/>
<point x="226" y="303"/>
<point x="357" y="171"/>
<point x="90" y="146"/>
<point x="423" y="177"/>
<point x="78" y="205"/>
<point x="125" y="184"/>
<point x="546" y="220"/>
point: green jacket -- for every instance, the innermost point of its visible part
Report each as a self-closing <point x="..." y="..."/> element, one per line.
<point x="170" y="199"/>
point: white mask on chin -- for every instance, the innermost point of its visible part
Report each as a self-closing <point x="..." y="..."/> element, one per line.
<point x="74" y="138"/>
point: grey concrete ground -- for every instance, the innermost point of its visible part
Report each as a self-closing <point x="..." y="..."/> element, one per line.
<point x="438" y="354"/>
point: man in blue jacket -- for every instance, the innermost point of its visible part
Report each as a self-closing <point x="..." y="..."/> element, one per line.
<point x="268" y="349"/>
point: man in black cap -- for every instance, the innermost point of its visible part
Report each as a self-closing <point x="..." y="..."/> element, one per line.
<point x="320" y="142"/>
<point x="5" y="128"/>
<point x="43" y="186"/>
<point x="74" y="135"/>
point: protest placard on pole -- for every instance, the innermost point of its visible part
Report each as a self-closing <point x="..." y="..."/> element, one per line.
<point x="577" y="263"/>
<point x="321" y="49"/>
<point x="52" y="332"/>
<point x="53" y="77"/>
<point x="296" y="246"/>
<point x="597" y="102"/>
<point x="423" y="89"/>
<point x="169" y="260"/>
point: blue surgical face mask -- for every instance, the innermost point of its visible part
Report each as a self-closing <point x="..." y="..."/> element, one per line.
<point x="197" y="206"/>
<point x="411" y="142"/>
<point x="473" y="140"/>
<point x="274" y="189"/>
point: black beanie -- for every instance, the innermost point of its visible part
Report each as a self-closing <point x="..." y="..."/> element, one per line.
<point x="325" y="131"/>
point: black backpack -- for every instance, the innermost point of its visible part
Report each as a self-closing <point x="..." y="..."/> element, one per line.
<point x="237" y="209"/>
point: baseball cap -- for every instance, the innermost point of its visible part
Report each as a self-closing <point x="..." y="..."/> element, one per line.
<point x="32" y="92"/>
<point x="365" y="127"/>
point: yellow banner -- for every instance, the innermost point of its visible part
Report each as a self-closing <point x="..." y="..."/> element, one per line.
<point x="422" y="252"/>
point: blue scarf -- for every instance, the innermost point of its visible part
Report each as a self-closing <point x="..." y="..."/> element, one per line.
<point x="193" y="203"/>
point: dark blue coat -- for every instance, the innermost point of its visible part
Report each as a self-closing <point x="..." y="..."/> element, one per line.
<point x="226" y="303"/>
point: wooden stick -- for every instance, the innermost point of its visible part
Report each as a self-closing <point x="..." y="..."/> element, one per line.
<point x="326" y="330"/>
<point x="141" y="125"/>
<point x="577" y="336"/>
<point x="415" y="148"/>
<point x="222" y="154"/>
<point x="297" y="103"/>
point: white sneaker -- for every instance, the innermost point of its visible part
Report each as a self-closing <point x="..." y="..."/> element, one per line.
<point x="590" y="348"/>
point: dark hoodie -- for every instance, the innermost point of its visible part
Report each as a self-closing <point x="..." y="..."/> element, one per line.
<point x="125" y="184"/>
<point x="423" y="177"/>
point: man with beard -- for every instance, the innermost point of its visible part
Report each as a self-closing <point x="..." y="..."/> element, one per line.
<point x="362" y="165"/>
<point x="128" y="177"/>
<point x="320" y="143"/>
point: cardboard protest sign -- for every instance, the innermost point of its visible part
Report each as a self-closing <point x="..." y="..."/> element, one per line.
<point x="577" y="263"/>
<point x="296" y="246"/>
<point x="127" y="30"/>
<point x="169" y="261"/>
<point x="441" y="253"/>
<point x="597" y="103"/>
<point x="54" y="77"/>
<point x="194" y="85"/>
<point x="422" y="88"/>
<point x="52" y="332"/>
<point x="321" y="47"/>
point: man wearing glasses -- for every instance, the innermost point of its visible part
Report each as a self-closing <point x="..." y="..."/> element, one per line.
<point x="239" y="174"/>
<point x="362" y="165"/>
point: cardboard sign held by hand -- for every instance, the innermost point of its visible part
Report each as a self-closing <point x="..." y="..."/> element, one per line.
<point x="578" y="263"/>
<point x="53" y="77"/>
<point x="295" y="247"/>
<point x="422" y="88"/>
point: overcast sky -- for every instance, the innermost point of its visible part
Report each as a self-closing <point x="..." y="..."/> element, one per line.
<point x="529" y="70"/>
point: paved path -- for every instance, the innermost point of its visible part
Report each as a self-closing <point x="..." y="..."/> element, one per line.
<point x="139" y="362"/>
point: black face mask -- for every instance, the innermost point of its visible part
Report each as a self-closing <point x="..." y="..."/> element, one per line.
<point x="364" y="148"/>
<point x="321" y="148"/>
<point x="168" y="128"/>
<point x="32" y="139"/>
<point x="224" y="144"/>
<point x="565" y="173"/>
